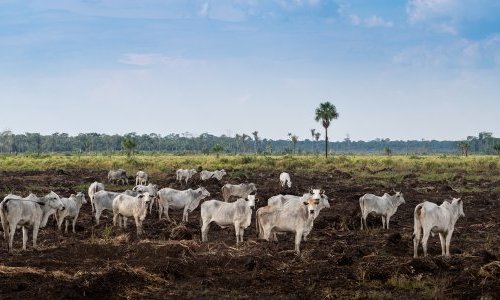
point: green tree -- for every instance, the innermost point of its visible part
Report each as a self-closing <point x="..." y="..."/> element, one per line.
<point x="464" y="146"/>
<point x="294" y="139"/>
<point x="325" y="113"/>
<point x="129" y="144"/>
<point x="313" y="132"/>
<point x="217" y="148"/>
<point x="496" y="147"/>
<point x="387" y="151"/>
<point x="256" y="139"/>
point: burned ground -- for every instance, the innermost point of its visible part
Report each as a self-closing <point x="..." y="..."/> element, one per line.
<point x="338" y="260"/>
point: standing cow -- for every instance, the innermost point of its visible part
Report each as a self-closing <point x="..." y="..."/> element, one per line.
<point x="385" y="206"/>
<point x="285" y="179"/>
<point x="94" y="188"/>
<point x="237" y="214"/>
<point x="430" y="218"/>
<point x="187" y="200"/>
<point x="118" y="176"/>
<point x="141" y="178"/>
<point x="72" y="209"/>
<point x="185" y="174"/>
<point x="238" y="190"/>
<point x="125" y="206"/>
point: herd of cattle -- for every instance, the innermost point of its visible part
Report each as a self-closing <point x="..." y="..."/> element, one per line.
<point x="283" y="213"/>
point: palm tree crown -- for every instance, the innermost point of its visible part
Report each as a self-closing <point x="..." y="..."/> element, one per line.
<point x="326" y="112"/>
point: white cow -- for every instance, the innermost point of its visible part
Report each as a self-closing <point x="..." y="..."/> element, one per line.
<point x="118" y="176"/>
<point x="217" y="174"/>
<point x="185" y="174"/>
<point x="152" y="189"/>
<point x="317" y="194"/>
<point x="25" y="213"/>
<point x="292" y="216"/>
<point x="431" y="219"/>
<point x="385" y="206"/>
<point x="238" y="190"/>
<point x="94" y="188"/>
<point x="141" y="178"/>
<point x="238" y="214"/>
<point x="72" y="209"/>
<point x="175" y="199"/>
<point x="103" y="200"/>
<point x="128" y="206"/>
<point x="285" y="179"/>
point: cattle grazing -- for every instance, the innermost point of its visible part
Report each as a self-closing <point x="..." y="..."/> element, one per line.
<point x="72" y="209"/>
<point x="292" y="216"/>
<point x="430" y="218"/>
<point x="285" y="179"/>
<point x="185" y="174"/>
<point x="127" y="206"/>
<point x="152" y="189"/>
<point x="238" y="190"/>
<point x="94" y="188"/>
<point x="385" y="206"/>
<point x="27" y="213"/>
<point x="103" y="200"/>
<point x="118" y="176"/>
<point x="174" y="199"/>
<point x="238" y="214"/>
<point x="217" y="174"/>
<point x="141" y="178"/>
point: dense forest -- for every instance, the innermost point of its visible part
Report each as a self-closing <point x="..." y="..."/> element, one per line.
<point x="206" y="143"/>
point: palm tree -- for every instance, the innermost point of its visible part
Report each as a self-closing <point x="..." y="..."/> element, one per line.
<point x="313" y="131"/>
<point x="326" y="112"/>
<point x="256" y="139"/>
<point x="295" y="139"/>
<point x="316" y="136"/>
<point x="129" y="144"/>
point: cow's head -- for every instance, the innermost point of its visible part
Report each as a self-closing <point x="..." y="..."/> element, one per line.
<point x="53" y="200"/>
<point x="399" y="198"/>
<point x="144" y="197"/>
<point x="251" y="201"/>
<point x="80" y="196"/>
<point x="460" y="204"/>
<point x="203" y="193"/>
<point x="312" y="205"/>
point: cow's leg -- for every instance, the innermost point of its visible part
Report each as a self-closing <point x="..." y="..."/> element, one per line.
<point x="443" y="244"/>
<point x="116" y="217"/>
<point x="242" y="232"/>
<point x="12" y="231"/>
<point x="383" y="222"/>
<point x="60" y="221"/>
<point x="204" y="231"/>
<point x="298" y="238"/>
<point x="74" y="223"/>
<point x="35" y="235"/>
<point x="125" y="222"/>
<point x="448" y="240"/>
<point x="387" y="221"/>
<point x="425" y="237"/>
<point x="237" y="232"/>
<point x="160" y="209"/>
<point x="185" y="214"/>
<point x="138" y="225"/>
<point x="66" y="223"/>
<point x="416" y="240"/>
<point x="25" y="237"/>
<point x="97" y="215"/>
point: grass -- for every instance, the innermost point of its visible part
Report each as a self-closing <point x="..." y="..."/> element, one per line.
<point x="427" y="168"/>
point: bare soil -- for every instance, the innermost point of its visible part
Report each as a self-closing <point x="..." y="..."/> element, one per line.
<point x="337" y="261"/>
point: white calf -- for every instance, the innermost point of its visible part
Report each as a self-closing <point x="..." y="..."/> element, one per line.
<point x="431" y="219"/>
<point x="185" y="173"/>
<point x="385" y="206"/>
<point x="94" y="188"/>
<point x="141" y="178"/>
<point x="72" y="209"/>
<point x="238" y="214"/>
<point x="128" y="206"/>
<point x="187" y="200"/>
<point x="285" y="179"/>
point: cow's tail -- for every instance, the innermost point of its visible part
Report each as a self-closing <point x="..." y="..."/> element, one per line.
<point x="362" y="206"/>
<point x="3" y="217"/>
<point x="418" y="217"/>
<point x="224" y="193"/>
<point x="258" y="226"/>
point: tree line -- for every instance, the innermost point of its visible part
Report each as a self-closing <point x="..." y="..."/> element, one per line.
<point x="483" y="143"/>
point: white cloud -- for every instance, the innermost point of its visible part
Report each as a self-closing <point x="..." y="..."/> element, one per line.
<point x="370" y="22"/>
<point x="156" y="59"/>
<point x="420" y="10"/>
<point x="204" y="9"/>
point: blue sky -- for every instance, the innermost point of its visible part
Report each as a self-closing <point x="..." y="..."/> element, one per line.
<point x="394" y="69"/>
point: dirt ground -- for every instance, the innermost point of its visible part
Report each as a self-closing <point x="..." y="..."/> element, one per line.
<point x="337" y="261"/>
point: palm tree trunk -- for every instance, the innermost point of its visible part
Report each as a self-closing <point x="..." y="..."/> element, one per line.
<point x="326" y="142"/>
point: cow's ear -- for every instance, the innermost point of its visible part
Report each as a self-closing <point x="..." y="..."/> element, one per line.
<point x="322" y="192"/>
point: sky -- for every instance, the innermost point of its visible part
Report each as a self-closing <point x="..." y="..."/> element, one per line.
<point x="404" y="70"/>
